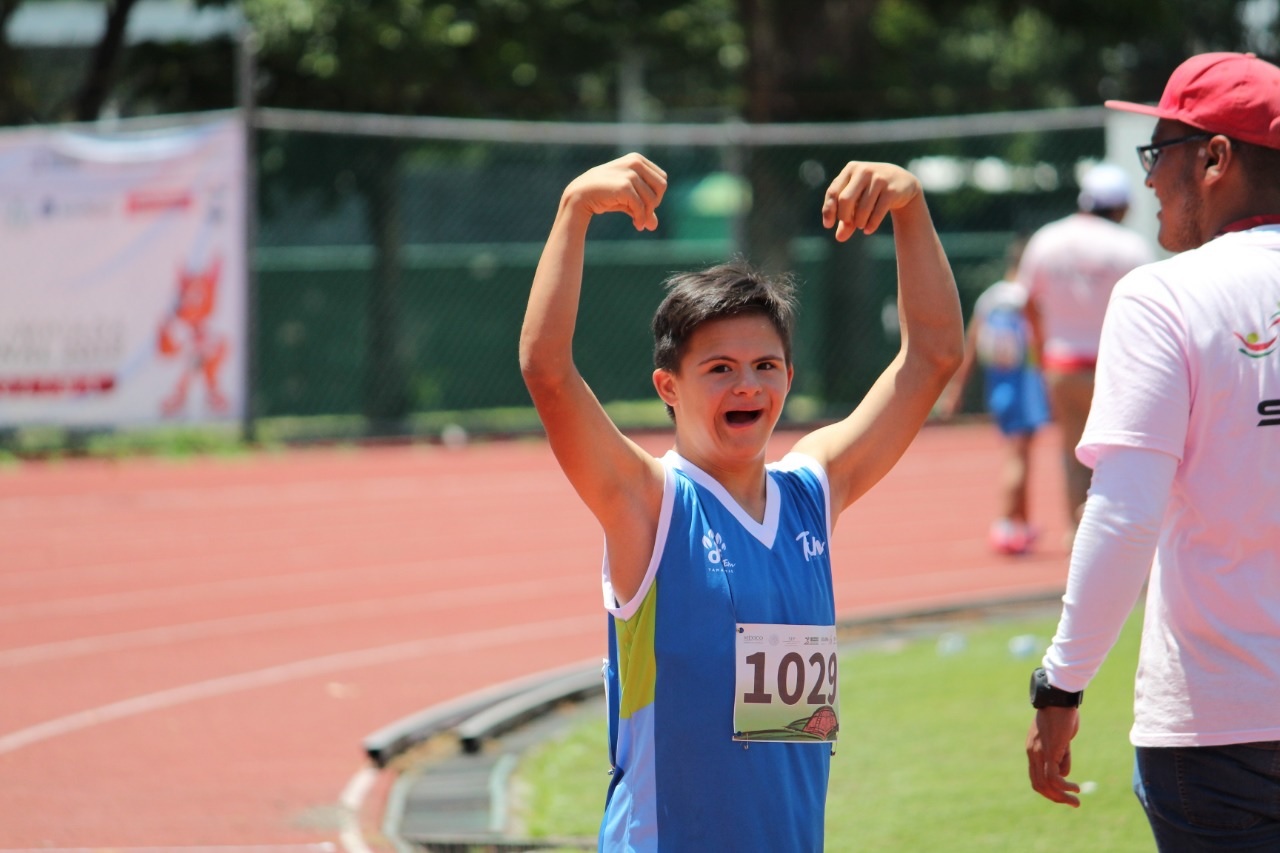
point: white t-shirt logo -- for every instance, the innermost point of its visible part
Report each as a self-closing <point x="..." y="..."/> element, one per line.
<point x="1257" y="345"/>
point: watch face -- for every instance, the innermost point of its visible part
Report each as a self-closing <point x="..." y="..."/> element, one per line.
<point x="1045" y="695"/>
<point x="1039" y="685"/>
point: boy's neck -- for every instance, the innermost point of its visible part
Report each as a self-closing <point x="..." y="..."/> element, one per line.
<point x="745" y="483"/>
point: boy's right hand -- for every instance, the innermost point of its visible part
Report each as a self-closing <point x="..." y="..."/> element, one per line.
<point x="632" y="184"/>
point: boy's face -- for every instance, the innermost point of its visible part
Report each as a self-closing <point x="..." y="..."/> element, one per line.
<point x="729" y="391"/>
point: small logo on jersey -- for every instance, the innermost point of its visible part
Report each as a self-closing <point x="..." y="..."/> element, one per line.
<point x="715" y="547"/>
<point x="1270" y="411"/>
<point x="813" y="547"/>
<point x="1260" y="344"/>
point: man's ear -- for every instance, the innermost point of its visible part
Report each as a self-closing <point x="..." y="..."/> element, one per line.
<point x="664" y="382"/>
<point x="1219" y="155"/>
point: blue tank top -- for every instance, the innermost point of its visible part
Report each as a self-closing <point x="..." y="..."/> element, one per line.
<point x="680" y="782"/>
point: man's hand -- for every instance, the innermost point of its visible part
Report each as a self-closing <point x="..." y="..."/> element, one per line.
<point x="863" y="194"/>
<point x="1049" y="754"/>
<point x="632" y="184"/>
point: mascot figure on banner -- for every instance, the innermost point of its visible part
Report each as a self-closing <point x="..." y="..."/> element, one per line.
<point x="185" y="332"/>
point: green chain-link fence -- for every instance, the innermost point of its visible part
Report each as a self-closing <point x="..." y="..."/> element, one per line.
<point x="394" y="256"/>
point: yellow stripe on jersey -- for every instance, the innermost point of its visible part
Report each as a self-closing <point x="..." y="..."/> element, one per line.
<point x="637" y="664"/>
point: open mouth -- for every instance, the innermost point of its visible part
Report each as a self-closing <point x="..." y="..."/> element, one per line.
<point x="743" y="418"/>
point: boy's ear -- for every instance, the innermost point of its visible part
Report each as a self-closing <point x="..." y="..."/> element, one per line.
<point x="664" y="382"/>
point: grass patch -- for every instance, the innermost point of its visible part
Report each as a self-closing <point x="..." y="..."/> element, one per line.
<point x="178" y="442"/>
<point x="931" y="756"/>
<point x="272" y="433"/>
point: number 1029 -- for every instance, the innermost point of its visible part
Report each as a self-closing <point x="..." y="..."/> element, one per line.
<point x="792" y="678"/>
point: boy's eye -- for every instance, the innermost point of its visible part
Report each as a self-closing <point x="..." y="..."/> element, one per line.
<point x="720" y="368"/>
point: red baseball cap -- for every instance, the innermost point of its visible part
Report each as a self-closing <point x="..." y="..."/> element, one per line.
<point x="1235" y="94"/>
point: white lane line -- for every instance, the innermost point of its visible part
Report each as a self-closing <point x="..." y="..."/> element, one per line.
<point x="352" y="800"/>
<point x="113" y="602"/>
<point x="509" y="635"/>
<point x="322" y="614"/>
<point x="159" y="547"/>
<point x="340" y="491"/>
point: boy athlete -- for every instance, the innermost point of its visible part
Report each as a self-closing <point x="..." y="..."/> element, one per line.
<point x="722" y="672"/>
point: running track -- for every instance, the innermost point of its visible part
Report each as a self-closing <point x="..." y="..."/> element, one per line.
<point x="191" y="652"/>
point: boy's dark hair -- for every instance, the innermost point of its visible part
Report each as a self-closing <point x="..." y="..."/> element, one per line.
<point x="727" y="290"/>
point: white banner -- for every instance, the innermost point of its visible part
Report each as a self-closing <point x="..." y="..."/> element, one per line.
<point x="122" y="277"/>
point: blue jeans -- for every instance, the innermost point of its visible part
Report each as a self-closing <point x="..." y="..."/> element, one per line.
<point x="1211" y="798"/>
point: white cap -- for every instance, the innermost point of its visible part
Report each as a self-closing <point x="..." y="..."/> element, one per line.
<point x="1103" y="187"/>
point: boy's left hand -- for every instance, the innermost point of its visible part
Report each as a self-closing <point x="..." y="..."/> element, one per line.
<point x="863" y="194"/>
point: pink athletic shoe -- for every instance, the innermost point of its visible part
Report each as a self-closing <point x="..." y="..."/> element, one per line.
<point x="1011" y="537"/>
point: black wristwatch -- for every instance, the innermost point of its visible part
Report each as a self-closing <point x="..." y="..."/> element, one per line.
<point x="1045" y="695"/>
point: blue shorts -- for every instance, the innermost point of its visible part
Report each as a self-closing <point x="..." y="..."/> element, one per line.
<point x="1017" y="399"/>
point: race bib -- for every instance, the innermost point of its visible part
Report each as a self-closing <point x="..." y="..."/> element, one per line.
<point x="786" y="683"/>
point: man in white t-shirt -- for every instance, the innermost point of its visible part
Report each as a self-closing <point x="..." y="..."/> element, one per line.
<point x="1184" y="440"/>
<point x="1069" y="268"/>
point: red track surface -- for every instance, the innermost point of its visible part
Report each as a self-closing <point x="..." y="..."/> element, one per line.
<point x="192" y="652"/>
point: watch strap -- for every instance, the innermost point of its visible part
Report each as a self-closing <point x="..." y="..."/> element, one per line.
<point x="1045" y="695"/>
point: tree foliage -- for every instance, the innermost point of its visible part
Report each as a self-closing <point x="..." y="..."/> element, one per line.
<point x="500" y="58"/>
<point x="868" y="59"/>
<point x="51" y="83"/>
<point x="765" y="60"/>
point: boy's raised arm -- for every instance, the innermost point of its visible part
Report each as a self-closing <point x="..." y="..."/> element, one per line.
<point x="861" y="449"/>
<point x="619" y="482"/>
